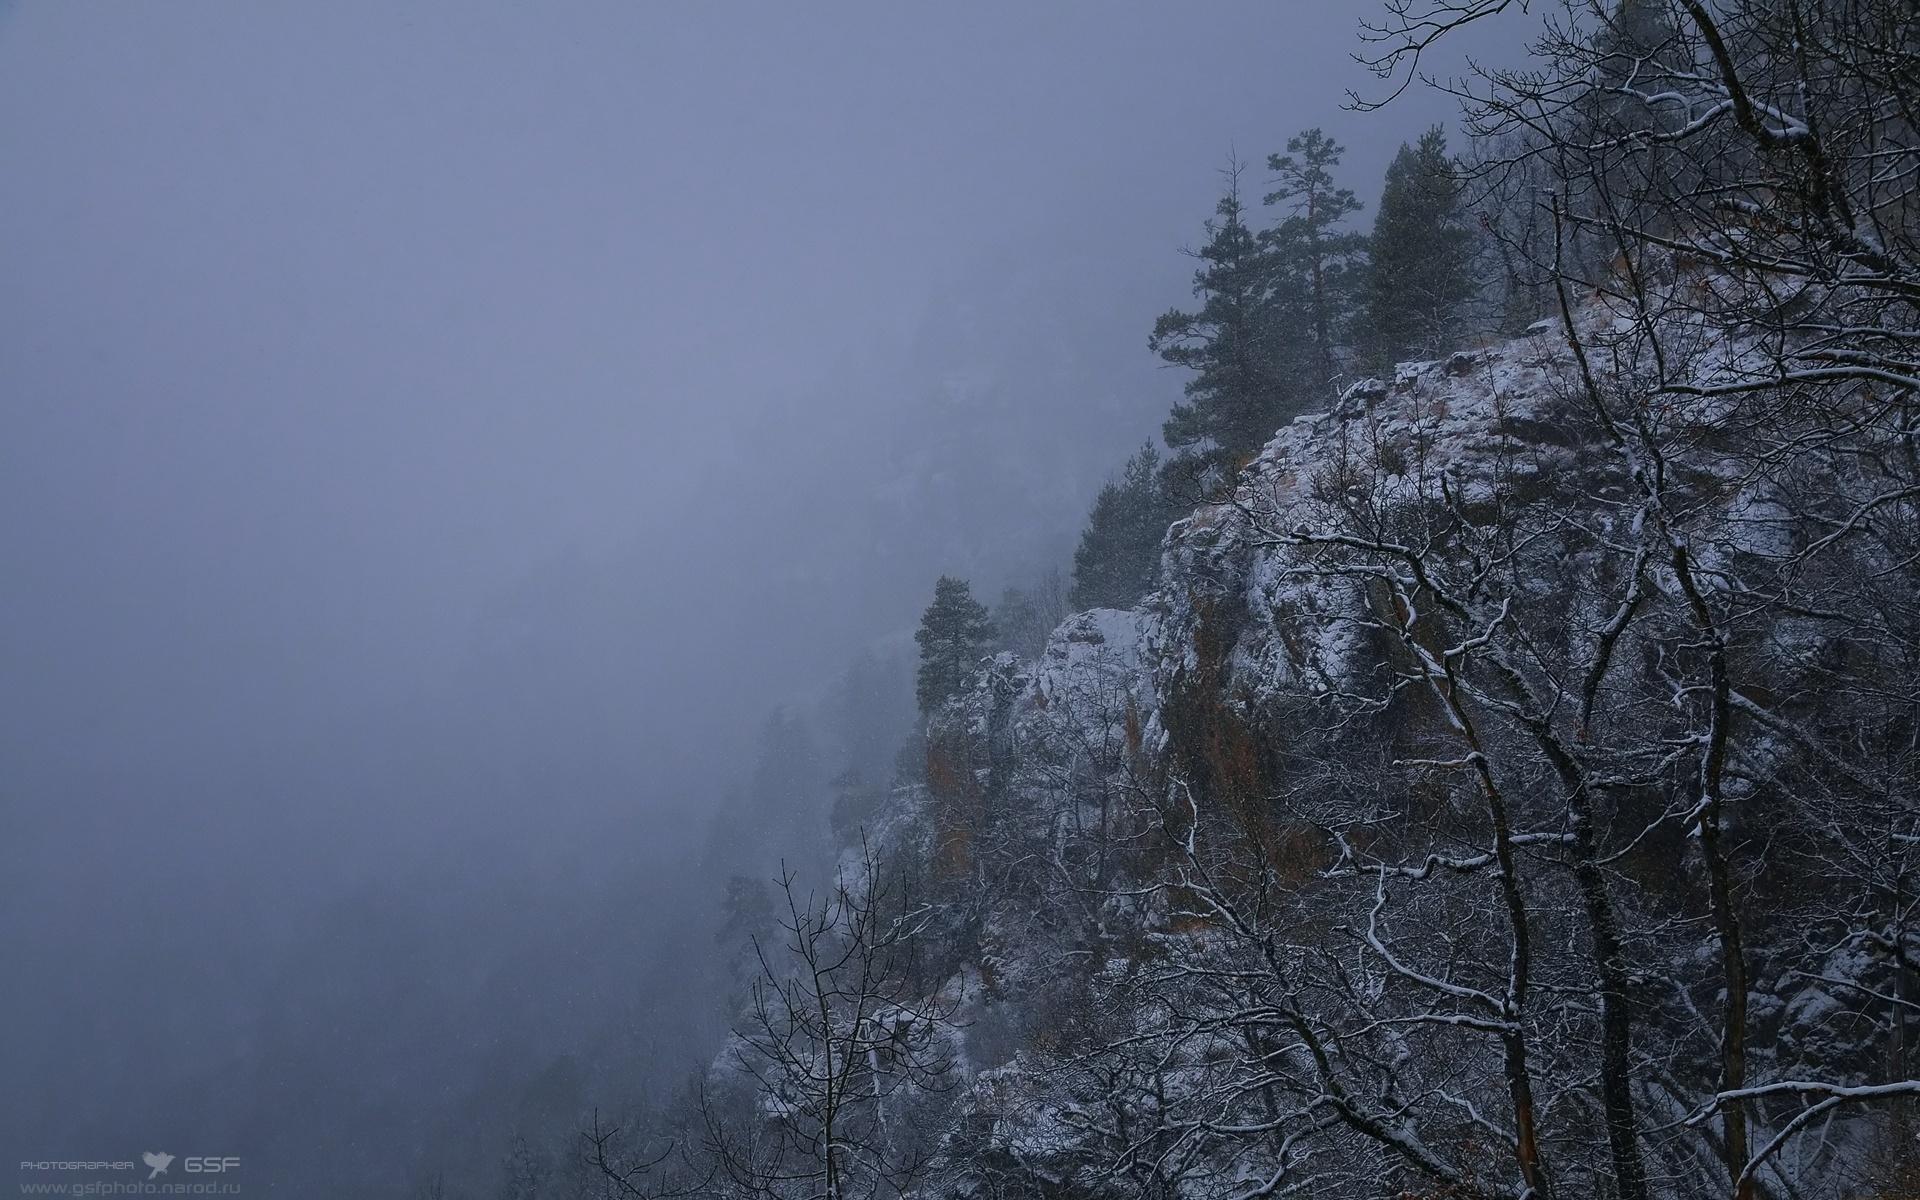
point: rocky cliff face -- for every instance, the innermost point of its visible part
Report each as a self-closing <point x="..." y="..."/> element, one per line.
<point x="1464" y="813"/>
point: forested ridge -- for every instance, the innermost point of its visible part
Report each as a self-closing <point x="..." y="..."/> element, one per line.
<point x="1477" y="758"/>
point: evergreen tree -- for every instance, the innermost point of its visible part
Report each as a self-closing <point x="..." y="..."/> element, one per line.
<point x="1238" y="394"/>
<point x="954" y="635"/>
<point x="1119" y="550"/>
<point x="1420" y="280"/>
<point x="1316" y="260"/>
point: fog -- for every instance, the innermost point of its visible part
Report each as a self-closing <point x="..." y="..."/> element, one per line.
<point x="437" y="435"/>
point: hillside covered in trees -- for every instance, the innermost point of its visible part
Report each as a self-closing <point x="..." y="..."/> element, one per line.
<point x="1470" y="752"/>
<point x="1479" y="760"/>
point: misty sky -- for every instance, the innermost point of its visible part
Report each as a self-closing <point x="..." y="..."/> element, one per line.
<point x="431" y="423"/>
<point x="328" y="325"/>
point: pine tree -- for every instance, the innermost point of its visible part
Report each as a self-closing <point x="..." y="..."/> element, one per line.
<point x="954" y="635"/>
<point x="1119" y="550"/>
<point x="1420" y="279"/>
<point x="1316" y="260"/>
<point x="1238" y="394"/>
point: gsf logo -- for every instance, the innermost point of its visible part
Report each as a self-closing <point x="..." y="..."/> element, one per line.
<point x="202" y="1165"/>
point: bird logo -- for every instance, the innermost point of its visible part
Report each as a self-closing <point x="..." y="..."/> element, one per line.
<point x="159" y="1160"/>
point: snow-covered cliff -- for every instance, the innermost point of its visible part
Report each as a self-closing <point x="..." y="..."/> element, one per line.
<point x="1409" y="834"/>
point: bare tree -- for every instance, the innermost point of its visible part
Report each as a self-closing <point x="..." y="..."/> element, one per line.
<point x="843" y="1047"/>
<point x="1616" y="770"/>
